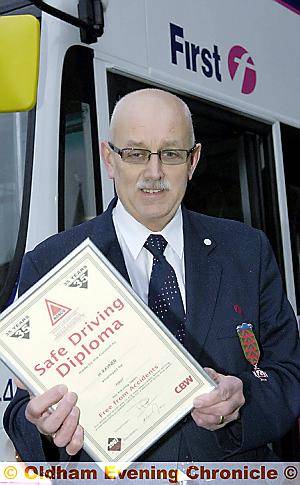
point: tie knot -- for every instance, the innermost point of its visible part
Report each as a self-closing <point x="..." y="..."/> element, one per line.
<point x="156" y="244"/>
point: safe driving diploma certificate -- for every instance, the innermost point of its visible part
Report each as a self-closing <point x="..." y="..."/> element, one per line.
<point x="83" y="326"/>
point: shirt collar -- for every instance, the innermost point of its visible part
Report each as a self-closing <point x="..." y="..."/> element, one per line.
<point x="135" y="234"/>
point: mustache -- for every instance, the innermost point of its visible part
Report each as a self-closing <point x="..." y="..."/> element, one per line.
<point x="163" y="184"/>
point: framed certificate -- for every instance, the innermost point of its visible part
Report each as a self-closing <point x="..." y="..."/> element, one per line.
<point x="82" y="325"/>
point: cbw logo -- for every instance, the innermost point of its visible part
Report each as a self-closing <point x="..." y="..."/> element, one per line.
<point x="186" y="382"/>
<point x="241" y="66"/>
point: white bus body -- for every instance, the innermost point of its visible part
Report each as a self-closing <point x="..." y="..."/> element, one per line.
<point x="235" y="60"/>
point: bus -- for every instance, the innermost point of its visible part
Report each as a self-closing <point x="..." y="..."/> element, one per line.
<point x="235" y="63"/>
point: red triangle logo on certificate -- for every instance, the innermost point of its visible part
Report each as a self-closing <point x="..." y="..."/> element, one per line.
<point x="56" y="311"/>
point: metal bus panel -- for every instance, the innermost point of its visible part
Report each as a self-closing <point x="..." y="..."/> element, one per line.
<point x="241" y="55"/>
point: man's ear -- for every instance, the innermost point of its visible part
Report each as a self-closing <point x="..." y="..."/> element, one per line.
<point x="194" y="160"/>
<point x="108" y="159"/>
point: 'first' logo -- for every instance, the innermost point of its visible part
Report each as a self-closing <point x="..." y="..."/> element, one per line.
<point x="186" y="382"/>
<point x="241" y="65"/>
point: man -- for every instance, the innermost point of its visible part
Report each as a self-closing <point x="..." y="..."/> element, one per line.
<point x="226" y="274"/>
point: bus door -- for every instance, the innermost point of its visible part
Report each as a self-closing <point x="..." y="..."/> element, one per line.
<point x="236" y="178"/>
<point x="290" y="138"/>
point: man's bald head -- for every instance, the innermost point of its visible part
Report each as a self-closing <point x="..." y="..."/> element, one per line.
<point x="154" y="102"/>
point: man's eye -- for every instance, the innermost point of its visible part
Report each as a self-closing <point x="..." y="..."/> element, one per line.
<point x="171" y="154"/>
<point x="136" y="154"/>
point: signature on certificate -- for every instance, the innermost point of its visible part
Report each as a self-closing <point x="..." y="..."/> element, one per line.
<point x="149" y="408"/>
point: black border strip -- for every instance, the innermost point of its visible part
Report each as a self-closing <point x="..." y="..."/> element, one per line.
<point x="293" y="5"/>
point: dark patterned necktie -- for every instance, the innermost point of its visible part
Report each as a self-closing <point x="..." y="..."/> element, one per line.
<point x="164" y="297"/>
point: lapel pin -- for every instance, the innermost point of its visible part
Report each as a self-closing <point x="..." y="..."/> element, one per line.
<point x="207" y="242"/>
<point x="250" y="348"/>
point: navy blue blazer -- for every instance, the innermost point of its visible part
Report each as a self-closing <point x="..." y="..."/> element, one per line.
<point x="233" y="280"/>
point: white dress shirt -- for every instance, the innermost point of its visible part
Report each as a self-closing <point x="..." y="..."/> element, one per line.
<point x="132" y="235"/>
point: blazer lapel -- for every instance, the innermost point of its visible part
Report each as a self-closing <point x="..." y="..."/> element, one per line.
<point x="105" y="238"/>
<point x="115" y="256"/>
<point x="202" y="277"/>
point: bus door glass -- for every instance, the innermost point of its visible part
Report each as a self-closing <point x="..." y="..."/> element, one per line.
<point x="13" y="132"/>
<point x="79" y="185"/>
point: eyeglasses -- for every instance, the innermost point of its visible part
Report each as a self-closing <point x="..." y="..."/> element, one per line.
<point x="168" y="156"/>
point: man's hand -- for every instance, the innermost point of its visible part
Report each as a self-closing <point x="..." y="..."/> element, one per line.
<point x="62" y="423"/>
<point x="219" y="407"/>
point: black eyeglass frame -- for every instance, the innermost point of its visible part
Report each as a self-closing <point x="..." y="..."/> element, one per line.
<point x="120" y="152"/>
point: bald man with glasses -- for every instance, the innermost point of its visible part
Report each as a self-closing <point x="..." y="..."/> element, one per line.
<point x="215" y="266"/>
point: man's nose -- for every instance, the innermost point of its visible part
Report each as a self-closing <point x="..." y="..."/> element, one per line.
<point x="153" y="168"/>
